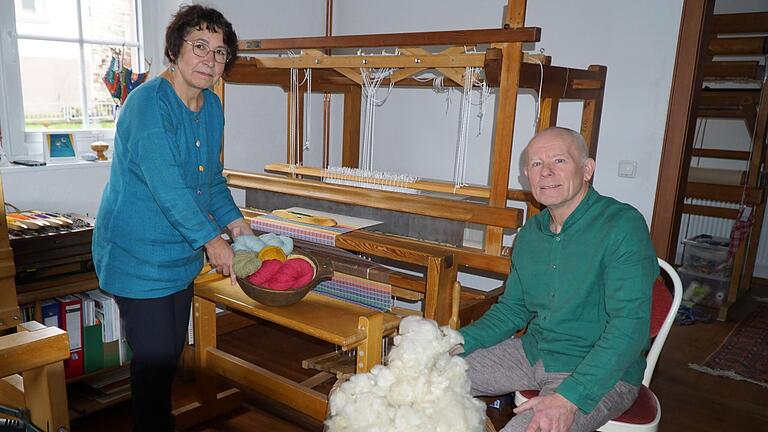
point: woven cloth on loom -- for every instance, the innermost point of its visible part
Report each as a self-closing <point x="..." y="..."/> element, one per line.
<point x="312" y="233"/>
<point x="357" y="290"/>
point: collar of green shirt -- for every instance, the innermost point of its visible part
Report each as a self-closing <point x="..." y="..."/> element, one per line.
<point x="574" y="217"/>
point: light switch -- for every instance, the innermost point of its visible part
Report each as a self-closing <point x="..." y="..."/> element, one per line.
<point x="627" y="168"/>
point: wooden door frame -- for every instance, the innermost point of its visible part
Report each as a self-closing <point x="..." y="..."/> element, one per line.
<point x="680" y="129"/>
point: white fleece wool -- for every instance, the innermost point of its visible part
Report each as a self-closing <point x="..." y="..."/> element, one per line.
<point x="422" y="388"/>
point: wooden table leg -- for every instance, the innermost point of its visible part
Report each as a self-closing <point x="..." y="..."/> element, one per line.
<point x="209" y="403"/>
<point x="45" y="395"/>
<point x="369" y="352"/>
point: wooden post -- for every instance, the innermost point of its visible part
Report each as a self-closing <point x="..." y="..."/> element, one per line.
<point x="440" y="277"/>
<point x="506" y="106"/>
<point x="590" y="116"/>
<point x="681" y="121"/>
<point x="350" y="154"/>
<point x="209" y="402"/>
<point x="369" y="353"/>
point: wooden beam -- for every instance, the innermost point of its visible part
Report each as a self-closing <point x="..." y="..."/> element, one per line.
<point x="727" y="97"/>
<point x="718" y="212"/>
<point x="721" y="154"/>
<point x="591" y="113"/>
<point x="738" y="46"/>
<point x="276" y="387"/>
<point x="420" y="59"/>
<point x="350" y="146"/>
<point x="680" y="128"/>
<point x="717" y="192"/>
<point x="506" y="107"/>
<point x="559" y="82"/>
<point x="419" y="184"/>
<point x="728" y="70"/>
<point x="454" y="37"/>
<point x="754" y="22"/>
<point x="416" y="204"/>
<point x="360" y="240"/>
<point x="32" y="349"/>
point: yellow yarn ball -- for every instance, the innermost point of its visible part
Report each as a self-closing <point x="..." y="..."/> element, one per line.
<point x="272" y="253"/>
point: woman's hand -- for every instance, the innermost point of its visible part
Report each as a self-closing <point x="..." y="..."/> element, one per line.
<point x="220" y="256"/>
<point x="239" y="227"/>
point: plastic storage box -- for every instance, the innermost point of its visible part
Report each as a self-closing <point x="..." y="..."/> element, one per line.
<point x="704" y="289"/>
<point x="707" y="255"/>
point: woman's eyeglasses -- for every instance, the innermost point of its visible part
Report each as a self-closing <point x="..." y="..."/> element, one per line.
<point x="220" y="55"/>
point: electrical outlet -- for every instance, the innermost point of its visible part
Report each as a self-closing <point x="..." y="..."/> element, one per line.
<point x="627" y="168"/>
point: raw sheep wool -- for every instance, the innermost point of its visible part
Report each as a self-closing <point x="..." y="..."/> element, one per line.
<point x="422" y="388"/>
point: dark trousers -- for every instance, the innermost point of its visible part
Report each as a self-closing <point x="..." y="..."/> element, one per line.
<point x="156" y="331"/>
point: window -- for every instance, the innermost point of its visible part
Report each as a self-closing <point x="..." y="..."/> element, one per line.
<point x="55" y="60"/>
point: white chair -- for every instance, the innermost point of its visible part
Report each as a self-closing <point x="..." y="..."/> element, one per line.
<point x="645" y="413"/>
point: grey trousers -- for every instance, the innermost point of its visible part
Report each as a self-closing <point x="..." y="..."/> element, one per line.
<point x="503" y="369"/>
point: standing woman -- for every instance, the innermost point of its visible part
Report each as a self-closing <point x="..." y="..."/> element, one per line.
<point x="165" y="202"/>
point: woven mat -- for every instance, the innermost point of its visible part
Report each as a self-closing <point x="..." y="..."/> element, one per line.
<point x="744" y="353"/>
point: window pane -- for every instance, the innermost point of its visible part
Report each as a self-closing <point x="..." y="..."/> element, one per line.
<point x="47" y="18"/>
<point x="51" y="84"/>
<point x="109" y="20"/>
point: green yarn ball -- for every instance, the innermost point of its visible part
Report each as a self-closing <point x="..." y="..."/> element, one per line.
<point x="246" y="263"/>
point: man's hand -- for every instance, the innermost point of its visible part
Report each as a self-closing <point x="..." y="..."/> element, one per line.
<point x="220" y="256"/>
<point x="551" y="413"/>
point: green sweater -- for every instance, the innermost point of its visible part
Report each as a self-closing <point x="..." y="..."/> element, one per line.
<point x="585" y="295"/>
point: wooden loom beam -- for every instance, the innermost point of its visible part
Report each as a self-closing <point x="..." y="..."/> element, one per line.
<point x="559" y="82"/>
<point x="420" y="184"/>
<point x="591" y="115"/>
<point x="424" y="205"/>
<point x="454" y="37"/>
<point x="506" y="107"/>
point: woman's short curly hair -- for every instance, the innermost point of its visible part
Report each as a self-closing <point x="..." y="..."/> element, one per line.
<point x="198" y="17"/>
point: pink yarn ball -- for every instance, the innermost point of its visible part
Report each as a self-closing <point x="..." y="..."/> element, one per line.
<point x="291" y="274"/>
<point x="268" y="269"/>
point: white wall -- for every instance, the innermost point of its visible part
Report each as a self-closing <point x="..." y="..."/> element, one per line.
<point x="58" y="188"/>
<point x="636" y="40"/>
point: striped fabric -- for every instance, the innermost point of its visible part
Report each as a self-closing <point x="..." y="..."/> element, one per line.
<point x="297" y="230"/>
<point x="357" y="290"/>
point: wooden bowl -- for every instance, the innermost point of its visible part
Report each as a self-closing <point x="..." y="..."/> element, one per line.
<point x="271" y="297"/>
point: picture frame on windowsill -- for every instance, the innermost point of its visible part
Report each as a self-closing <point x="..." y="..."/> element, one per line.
<point x="59" y="147"/>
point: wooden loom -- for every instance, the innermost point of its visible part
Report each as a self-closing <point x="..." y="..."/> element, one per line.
<point x="505" y="67"/>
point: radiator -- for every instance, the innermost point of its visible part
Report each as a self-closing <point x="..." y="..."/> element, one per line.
<point x="693" y="225"/>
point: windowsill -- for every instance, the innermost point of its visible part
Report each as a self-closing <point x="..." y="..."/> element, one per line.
<point x="8" y="167"/>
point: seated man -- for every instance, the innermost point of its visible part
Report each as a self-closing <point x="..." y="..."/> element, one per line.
<point x="581" y="278"/>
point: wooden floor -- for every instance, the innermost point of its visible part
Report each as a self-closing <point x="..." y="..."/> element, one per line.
<point x="691" y="400"/>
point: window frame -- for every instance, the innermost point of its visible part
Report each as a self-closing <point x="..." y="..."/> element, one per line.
<point x="17" y="142"/>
